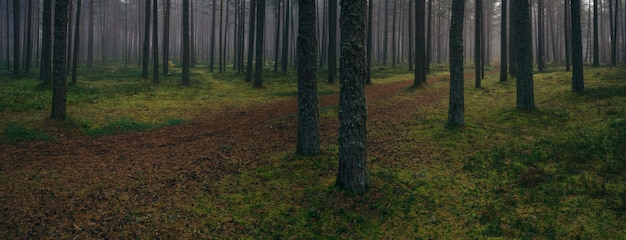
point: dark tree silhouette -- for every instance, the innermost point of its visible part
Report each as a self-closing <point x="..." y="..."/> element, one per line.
<point x="540" y="37"/>
<point x="186" y="43"/>
<point x="76" y="44"/>
<point x="596" y="51"/>
<point x="146" y="42"/>
<point x="370" y="34"/>
<point x="166" y="37"/>
<point x="45" y="72"/>
<point x="212" y="48"/>
<point x="503" y="44"/>
<point x="251" y="33"/>
<point x="308" y="114"/>
<point x="285" y="52"/>
<point x="578" y="84"/>
<point x="456" y="105"/>
<point x="29" y="37"/>
<point x="353" y="174"/>
<point x="332" y="40"/>
<point x="420" y="45"/>
<point x="16" y="38"/>
<point x="477" y="42"/>
<point x="525" y="88"/>
<point x="155" y="42"/>
<point x="260" y="23"/>
<point x="59" y="80"/>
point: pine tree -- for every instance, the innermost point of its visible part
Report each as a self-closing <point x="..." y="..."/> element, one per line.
<point x="578" y="84"/>
<point x="456" y="105"/>
<point x="59" y="80"/>
<point x="525" y="88"/>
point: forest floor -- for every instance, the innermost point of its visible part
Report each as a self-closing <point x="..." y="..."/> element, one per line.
<point x="232" y="174"/>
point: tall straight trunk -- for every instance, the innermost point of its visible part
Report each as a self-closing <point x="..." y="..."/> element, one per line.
<point x="308" y="114"/>
<point x="146" y="41"/>
<point x="16" y="38"/>
<point x="186" y="43"/>
<point x="224" y="47"/>
<point x="578" y="84"/>
<point x="393" y="34"/>
<point x="45" y="73"/>
<point x="332" y="40"/>
<point x="166" y="37"/>
<point x="370" y="35"/>
<point x="155" y="42"/>
<point x="29" y="37"/>
<point x="59" y="98"/>
<point x="89" y="35"/>
<point x="353" y="174"/>
<point x="420" y="46"/>
<point x="192" y="35"/>
<point x="477" y="42"/>
<point x="596" y="52"/>
<point x="260" y="24"/>
<point x="540" y="37"/>
<point x="411" y="36"/>
<point x="614" y="28"/>
<point x="70" y="19"/>
<point x="286" y="37"/>
<point x="7" y="38"/>
<point x="251" y="33"/>
<point x="512" y="40"/>
<point x="76" y="44"/>
<point x="568" y="34"/>
<point x="456" y="106"/>
<point x="525" y="88"/>
<point x="221" y="46"/>
<point x="277" y="36"/>
<point x="212" y="47"/>
<point x="429" y="36"/>
<point x="386" y="33"/>
<point x="503" y="44"/>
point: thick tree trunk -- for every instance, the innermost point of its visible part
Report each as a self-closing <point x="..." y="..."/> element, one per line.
<point x="512" y="40"/>
<point x="353" y="174"/>
<point x="503" y="44"/>
<point x="332" y="40"/>
<point x="277" y="36"/>
<point x="146" y="41"/>
<point x="411" y="36"/>
<point x="456" y="105"/>
<point x="308" y="115"/>
<point x="59" y="98"/>
<point x="186" y="43"/>
<point x="76" y="43"/>
<point x="260" y="24"/>
<point x="578" y="84"/>
<point x="525" y="88"/>
<point x="45" y="73"/>
<point x="420" y="46"/>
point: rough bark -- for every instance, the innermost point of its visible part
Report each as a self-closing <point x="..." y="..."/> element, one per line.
<point x="420" y="45"/>
<point x="260" y="23"/>
<point x="503" y="44"/>
<point x="186" y="43"/>
<point x="332" y="40"/>
<point x="525" y="88"/>
<point x="59" y="80"/>
<point x="308" y="115"/>
<point x="76" y="44"/>
<point x="578" y="84"/>
<point x="146" y="42"/>
<point x="353" y="174"/>
<point x="456" y="107"/>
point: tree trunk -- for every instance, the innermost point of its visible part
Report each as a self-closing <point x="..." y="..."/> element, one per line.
<point x="186" y="43"/>
<point x="411" y="36"/>
<point x="353" y="174"/>
<point x="90" y="35"/>
<point x="155" y="42"/>
<point x="308" y="114"/>
<point x="332" y="40"/>
<point x="251" y="36"/>
<point x="578" y="84"/>
<point x="596" y="52"/>
<point x="429" y="37"/>
<point x="420" y="46"/>
<point x="59" y="98"/>
<point x="568" y="34"/>
<point x="477" y="42"/>
<point x="146" y="42"/>
<point x="540" y="37"/>
<point x="70" y="17"/>
<point x="393" y="34"/>
<point x="456" y="105"/>
<point x="525" y="89"/>
<point x="46" y="46"/>
<point x="16" y="38"/>
<point x="76" y="44"/>
<point x="260" y="24"/>
<point x="370" y="35"/>
<point x="503" y="44"/>
<point x="286" y="37"/>
<point x="512" y="40"/>
<point x="29" y="38"/>
<point x="385" y="33"/>
<point x="212" y="47"/>
<point x="166" y="37"/>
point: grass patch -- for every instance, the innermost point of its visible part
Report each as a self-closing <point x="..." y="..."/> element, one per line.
<point x="17" y="133"/>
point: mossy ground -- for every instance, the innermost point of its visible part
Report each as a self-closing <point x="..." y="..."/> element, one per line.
<point x="555" y="172"/>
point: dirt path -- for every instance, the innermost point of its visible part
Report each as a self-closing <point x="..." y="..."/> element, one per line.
<point x="56" y="189"/>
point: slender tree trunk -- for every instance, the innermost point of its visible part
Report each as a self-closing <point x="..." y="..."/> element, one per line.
<point x="90" y="35"/>
<point x="477" y="42"/>
<point x="385" y="33"/>
<point x="512" y="39"/>
<point x="166" y="37"/>
<point x="578" y="84"/>
<point x="393" y="33"/>
<point x="308" y="113"/>
<point x="614" y="27"/>
<point x="411" y="36"/>
<point x="429" y="37"/>
<point x="224" y="47"/>
<point x="540" y="37"/>
<point x="192" y="35"/>
<point x="46" y="47"/>
<point x="503" y="44"/>
<point x="212" y="47"/>
<point x="29" y="38"/>
<point x="59" y="98"/>
<point x="456" y="107"/>
<point x="70" y="20"/>
<point x="186" y="43"/>
<point x="76" y="44"/>
<point x="146" y="41"/>
<point x="596" y="52"/>
<point x="155" y="42"/>
<point x="370" y="35"/>
<point x="260" y="24"/>
<point x="8" y="40"/>
<point x="420" y="46"/>
<point x="353" y="174"/>
<point x="332" y="40"/>
<point x="16" y="38"/>
<point x="525" y="88"/>
<point x="568" y="34"/>
<point x="251" y="36"/>
<point x="285" y="52"/>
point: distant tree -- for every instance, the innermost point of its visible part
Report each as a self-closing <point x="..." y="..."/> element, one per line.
<point x="512" y="40"/>
<point x="59" y="98"/>
<point x="45" y="72"/>
<point x="251" y="33"/>
<point x="155" y="42"/>
<point x="212" y="48"/>
<point x="525" y="88"/>
<point x="90" y="34"/>
<point x="76" y="44"/>
<point x="596" y="51"/>
<point x="353" y="174"/>
<point x="503" y="48"/>
<point x="456" y="105"/>
<point x="478" y="42"/>
<point x="332" y="40"/>
<point x="308" y="114"/>
<point x="166" y="37"/>
<point x="540" y="37"/>
<point x="260" y="23"/>
<point x="16" y="38"/>
<point x="29" y="38"/>
<point x="186" y="43"/>
<point x="578" y="84"/>
<point x="568" y="34"/>
<point x="146" y="42"/>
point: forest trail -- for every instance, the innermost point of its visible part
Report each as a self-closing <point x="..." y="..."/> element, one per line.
<point x="96" y="181"/>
